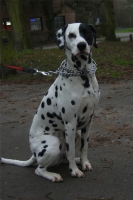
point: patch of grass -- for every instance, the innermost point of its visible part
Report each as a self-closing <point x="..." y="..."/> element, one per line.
<point x="124" y="30"/>
<point x="114" y="61"/>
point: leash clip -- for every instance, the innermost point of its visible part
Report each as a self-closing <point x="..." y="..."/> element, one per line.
<point x="43" y="73"/>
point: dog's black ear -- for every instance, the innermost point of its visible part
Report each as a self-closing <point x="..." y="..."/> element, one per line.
<point x="94" y="35"/>
<point x="59" y="37"/>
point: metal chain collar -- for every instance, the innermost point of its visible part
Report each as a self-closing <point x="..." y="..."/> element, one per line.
<point x="63" y="71"/>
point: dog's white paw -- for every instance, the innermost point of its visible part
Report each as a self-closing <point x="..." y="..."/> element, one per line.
<point x="77" y="173"/>
<point x="86" y="166"/>
<point x="57" y="178"/>
<point x="49" y="175"/>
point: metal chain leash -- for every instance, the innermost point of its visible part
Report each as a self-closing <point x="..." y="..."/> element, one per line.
<point x="64" y="71"/>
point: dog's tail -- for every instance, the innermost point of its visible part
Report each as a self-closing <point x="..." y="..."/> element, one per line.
<point x="26" y="163"/>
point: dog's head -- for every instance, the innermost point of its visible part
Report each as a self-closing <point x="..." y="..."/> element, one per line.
<point x="77" y="38"/>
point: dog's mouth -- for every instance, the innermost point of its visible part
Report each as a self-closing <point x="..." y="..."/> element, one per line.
<point x="81" y="53"/>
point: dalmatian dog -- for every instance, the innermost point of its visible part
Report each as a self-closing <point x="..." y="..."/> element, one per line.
<point x="67" y="108"/>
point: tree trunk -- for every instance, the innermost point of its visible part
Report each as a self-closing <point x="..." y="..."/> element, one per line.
<point x="109" y="20"/>
<point x="19" y="29"/>
<point x="50" y="13"/>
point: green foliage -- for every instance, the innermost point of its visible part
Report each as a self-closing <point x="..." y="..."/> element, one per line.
<point x="124" y="30"/>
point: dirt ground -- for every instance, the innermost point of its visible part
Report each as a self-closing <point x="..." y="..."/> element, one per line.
<point x="110" y="148"/>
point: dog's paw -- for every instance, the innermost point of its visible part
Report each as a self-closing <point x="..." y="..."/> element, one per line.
<point x="86" y="166"/>
<point x="49" y="175"/>
<point x="57" y="178"/>
<point x="77" y="173"/>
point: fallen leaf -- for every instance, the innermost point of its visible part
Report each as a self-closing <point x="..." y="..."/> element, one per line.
<point x="108" y="97"/>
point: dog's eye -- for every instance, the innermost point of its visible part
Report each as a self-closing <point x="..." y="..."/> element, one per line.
<point x="71" y="35"/>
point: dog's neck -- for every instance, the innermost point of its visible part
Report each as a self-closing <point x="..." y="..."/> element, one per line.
<point x="80" y="61"/>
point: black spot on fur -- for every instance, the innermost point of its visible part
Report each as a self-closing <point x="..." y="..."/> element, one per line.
<point x="84" y="130"/>
<point x="83" y="57"/>
<point x="50" y="115"/>
<point x="88" y="139"/>
<point x="46" y="133"/>
<point x="60" y="147"/>
<point x="45" y="146"/>
<point x="81" y="124"/>
<point x="63" y="110"/>
<point x="75" y="115"/>
<point x="73" y="102"/>
<point x="78" y="63"/>
<point x="70" y="170"/>
<point x="46" y="93"/>
<point x="86" y="83"/>
<point x="76" y="67"/>
<point x="42" y="105"/>
<point x="58" y="35"/>
<point x="85" y="109"/>
<point x="51" y="121"/>
<point x="67" y="146"/>
<point x="35" y="154"/>
<point x="91" y="118"/>
<point x="82" y="118"/>
<point x="42" y="116"/>
<point x="82" y="143"/>
<point x="44" y="141"/>
<point x="58" y="117"/>
<point x="42" y="153"/>
<point x="56" y="94"/>
<point x="49" y="101"/>
<point x="56" y="87"/>
<point x="88" y="33"/>
<point x="41" y="167"/>
<point x="60" y="88"/>
<point x="73" y="58"/>
<point x="89" y="60"/>
<point x="54" y="125"/>
<point x="47" y="128"/>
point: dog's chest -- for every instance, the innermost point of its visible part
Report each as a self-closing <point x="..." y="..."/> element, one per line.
<point x="77" y="100"/>
<point x="65" y="102"/>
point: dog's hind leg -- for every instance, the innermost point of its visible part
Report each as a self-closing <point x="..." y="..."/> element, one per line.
<point x="27" y="163"/>
<point x="47" y="155"/>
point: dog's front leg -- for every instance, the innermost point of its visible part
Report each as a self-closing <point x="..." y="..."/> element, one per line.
<point x="84" y="147"/>
<point x="70" y="131"/>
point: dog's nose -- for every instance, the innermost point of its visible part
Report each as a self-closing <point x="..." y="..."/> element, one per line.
<point x="81" y="46"/>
